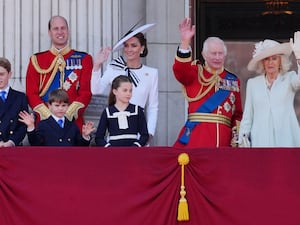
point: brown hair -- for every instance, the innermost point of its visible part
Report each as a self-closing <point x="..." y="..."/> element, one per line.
<point x="115" y="84"/>
<point x="143" y="41"/>
<point x="54" y="17"/>
<point x="58" y="95"/>
<point x="4" y="62"/>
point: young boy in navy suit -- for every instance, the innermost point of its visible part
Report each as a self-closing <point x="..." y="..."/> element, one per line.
<point x="57" y="130"/>
<point x="12" y="131"/>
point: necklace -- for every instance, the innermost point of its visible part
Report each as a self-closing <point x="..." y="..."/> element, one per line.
<point x="269" y="81"/>
<point x="136" y="68"/>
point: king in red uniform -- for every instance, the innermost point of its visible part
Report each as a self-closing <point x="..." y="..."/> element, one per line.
<point x="59" y="68"/>
<point x="213" y="94"/>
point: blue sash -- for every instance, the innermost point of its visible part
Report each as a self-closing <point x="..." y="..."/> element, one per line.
<point x="76" y="60"/>
<point x="207" y="107"/>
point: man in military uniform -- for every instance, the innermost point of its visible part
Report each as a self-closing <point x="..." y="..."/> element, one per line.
<point x="213" y="93"/>
<point x="59" y="68"/>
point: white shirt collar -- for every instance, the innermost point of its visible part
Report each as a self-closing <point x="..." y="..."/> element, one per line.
<point x="5" y="89"/>
<point x="57" y="118"/>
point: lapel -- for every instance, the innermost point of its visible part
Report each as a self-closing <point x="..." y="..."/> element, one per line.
<point x="61" y="132"/>
<point x="67" y="124"/>
<point x="2" y="108"/>
<point x="67" y="130"/>
<point x="54" y="126"/>
<point x="10" y="99"/>
<point x="10" y="102"/>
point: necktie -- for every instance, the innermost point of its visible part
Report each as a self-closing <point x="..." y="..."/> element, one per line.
<point x="3" y="95"/>
<point x="60" y="122"/>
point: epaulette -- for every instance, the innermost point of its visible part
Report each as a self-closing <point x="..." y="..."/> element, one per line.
<point x="80" y="52"/>
<point x="40" y="53"/>
<point x="231" y="73"/>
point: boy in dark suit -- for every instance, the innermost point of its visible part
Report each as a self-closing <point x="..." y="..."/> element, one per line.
<point x="12" y="131"/>
<point x="57" y="130"/>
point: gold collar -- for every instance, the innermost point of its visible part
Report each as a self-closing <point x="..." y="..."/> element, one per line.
<point x="62" y="51"/>
<point x="212" y="71"/>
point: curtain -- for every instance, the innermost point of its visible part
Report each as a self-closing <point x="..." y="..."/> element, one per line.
<point x="141" y="186"/>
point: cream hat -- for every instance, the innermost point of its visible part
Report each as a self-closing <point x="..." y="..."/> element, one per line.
<point x="143" y="29"/>
<point x="266" y="49"/>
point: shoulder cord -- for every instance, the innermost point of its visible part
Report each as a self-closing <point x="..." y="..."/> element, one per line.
<point x="210" y="82"/>
<point x="57" y="63"/>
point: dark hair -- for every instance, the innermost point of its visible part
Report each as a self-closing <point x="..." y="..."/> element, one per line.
<point x="58" y="95"/>
<point x="143" y="41"/>
<point x="54" y="17"/>
<point x="115" y="84"/>
<point x="4" y="62"/>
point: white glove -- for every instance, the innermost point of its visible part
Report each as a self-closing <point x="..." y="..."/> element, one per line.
<point x="295" y="45"/>
<point x="245" y="142"/>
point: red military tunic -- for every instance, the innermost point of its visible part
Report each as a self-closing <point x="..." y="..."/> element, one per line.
<point x="214" y="128"/>
<point x="66" y="69"/>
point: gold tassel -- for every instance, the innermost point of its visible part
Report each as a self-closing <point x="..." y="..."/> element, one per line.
<point x="183" y="211"/>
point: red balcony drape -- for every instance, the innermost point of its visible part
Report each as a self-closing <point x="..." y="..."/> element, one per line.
<point x="140" y="186"/>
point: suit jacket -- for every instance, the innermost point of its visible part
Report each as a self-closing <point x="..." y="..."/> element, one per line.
<point x="10" y="127"/>
<point x="49" y="133"/>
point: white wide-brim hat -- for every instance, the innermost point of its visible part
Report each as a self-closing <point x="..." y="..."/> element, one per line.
<point x="143" y="29"/>
<point x="266" y="49"/>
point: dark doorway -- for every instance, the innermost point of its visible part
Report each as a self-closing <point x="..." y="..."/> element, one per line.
<point x="243" y="23"/>
<point x="246" y="20"/>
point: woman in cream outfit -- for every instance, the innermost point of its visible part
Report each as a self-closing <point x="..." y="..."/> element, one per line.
<point x="269" y="118"/>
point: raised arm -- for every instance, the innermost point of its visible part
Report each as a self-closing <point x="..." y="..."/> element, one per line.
<point x="187" y="32"/>
<point x="101" y="57"/>
<point x="96" y="80"/>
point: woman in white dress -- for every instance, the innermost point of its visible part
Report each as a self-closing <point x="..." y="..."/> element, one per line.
<point x="144" y="78"/>
<point x="269" y="118"/>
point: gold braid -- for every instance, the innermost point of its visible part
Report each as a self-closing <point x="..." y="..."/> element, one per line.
<point x="57" y="64"/>
<point x="210" y="82"/>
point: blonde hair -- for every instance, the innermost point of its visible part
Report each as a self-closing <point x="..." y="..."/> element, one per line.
<point x="284" y="67"/>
